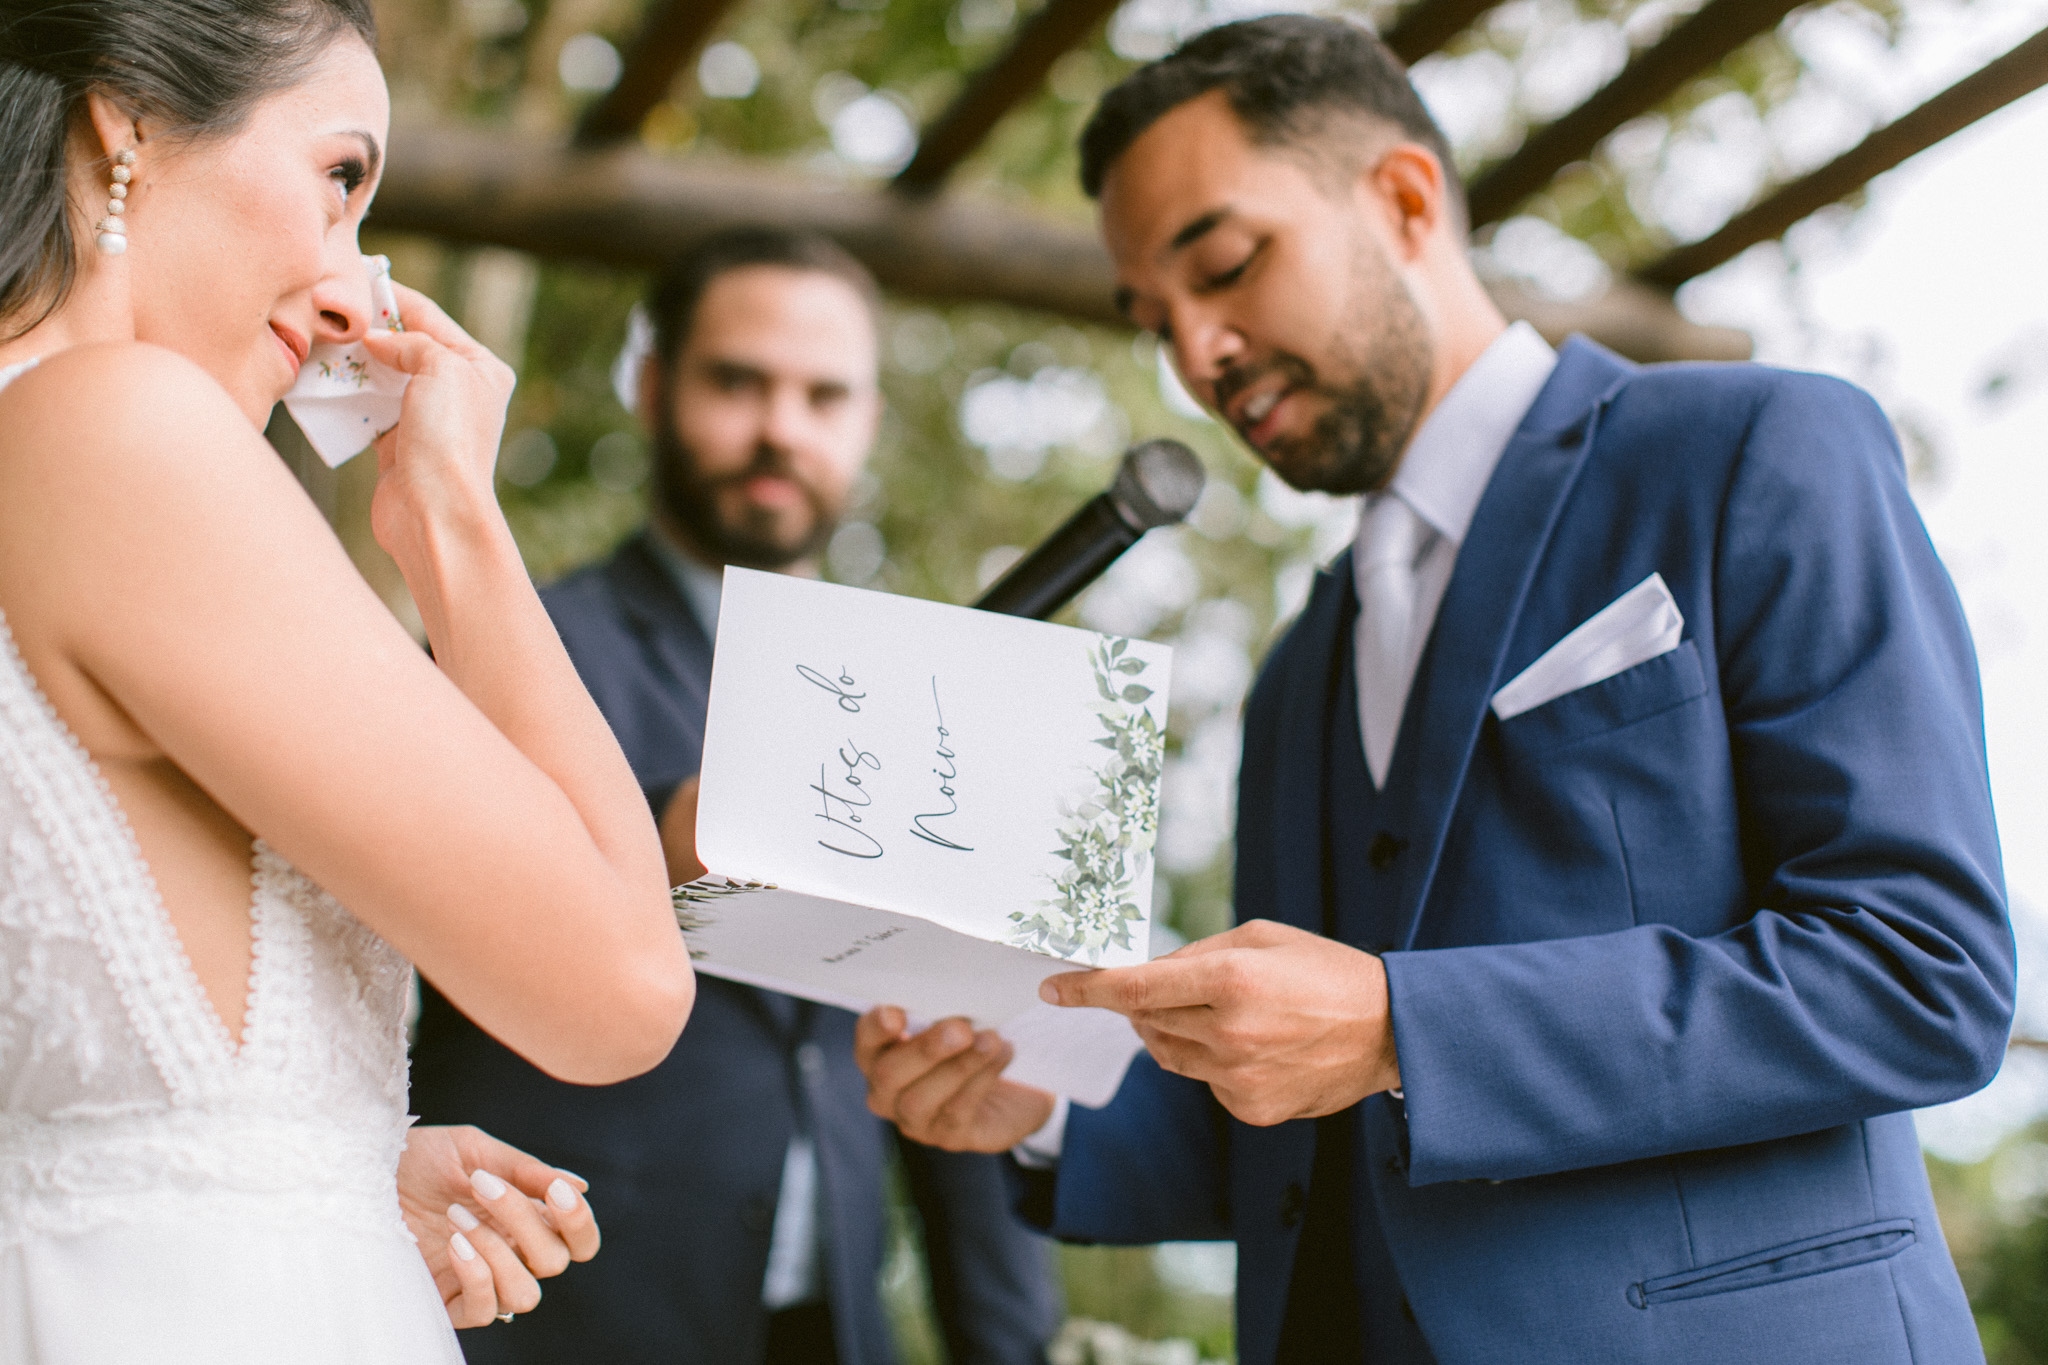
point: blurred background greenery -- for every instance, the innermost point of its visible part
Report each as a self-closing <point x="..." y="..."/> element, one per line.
<point x="1000" y="420"/>
<point x="1995" y="1214"/>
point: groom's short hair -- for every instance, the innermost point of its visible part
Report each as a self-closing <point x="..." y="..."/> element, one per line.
<point x="1290" y="79"/>
<point x="673" y="299"/>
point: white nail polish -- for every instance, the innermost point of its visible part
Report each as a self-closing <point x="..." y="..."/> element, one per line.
<point x="460" y="1245"/>
<point x="486" y="1185"/>
<point x="462" y="1218"/>
<point x="561" y="1196"/>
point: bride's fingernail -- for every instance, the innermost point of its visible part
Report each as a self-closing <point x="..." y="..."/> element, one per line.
<point x="561" y="1196"/>
<point x="461" y="1247"/>
<point x="462" y="1218"/>
<point x="486" y="1185"/>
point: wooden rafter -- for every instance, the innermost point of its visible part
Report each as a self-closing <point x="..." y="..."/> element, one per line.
<point x="626" y="207"/>
<point x="1692" y="48"/>
<point x="997" y="88"/>
<point x="2019" y="72"/>
<point x="1060" y="26"/>
<point x="669" y="36"/>
<point x="1427" y="25"/>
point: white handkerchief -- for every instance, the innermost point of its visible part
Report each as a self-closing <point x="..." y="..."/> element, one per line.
<point x="344" y="399"/>
<point x="1632" y="629"/>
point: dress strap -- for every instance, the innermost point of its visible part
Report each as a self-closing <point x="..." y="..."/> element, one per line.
<point x="10" y="373"/>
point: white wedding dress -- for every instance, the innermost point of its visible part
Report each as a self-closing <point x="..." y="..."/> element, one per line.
<point x="166" y="1196"/>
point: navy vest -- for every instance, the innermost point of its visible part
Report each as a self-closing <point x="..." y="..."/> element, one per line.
<point x="1345" y="1305"/>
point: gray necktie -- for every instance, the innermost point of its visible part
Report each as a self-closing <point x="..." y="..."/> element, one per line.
<point x="1391" y="546"/>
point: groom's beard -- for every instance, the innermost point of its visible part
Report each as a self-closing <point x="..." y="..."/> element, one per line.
<point x="714" y="513"/>
<point x="1374" y="385"/>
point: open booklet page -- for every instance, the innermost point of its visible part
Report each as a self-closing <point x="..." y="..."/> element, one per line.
<point x="936" y="808"/>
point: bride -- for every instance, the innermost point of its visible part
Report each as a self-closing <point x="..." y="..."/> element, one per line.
<point x="213" y="737"/>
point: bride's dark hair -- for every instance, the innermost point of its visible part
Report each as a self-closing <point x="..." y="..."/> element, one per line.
<point x="196" y="66"/>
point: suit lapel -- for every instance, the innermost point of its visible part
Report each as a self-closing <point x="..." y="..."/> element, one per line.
<point x="1460" y="667"/>
<point x="678" y="649"/>
<point x="677" y="645"/>
<point x="1298" y="768"/>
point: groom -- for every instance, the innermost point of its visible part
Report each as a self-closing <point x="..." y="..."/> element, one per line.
<point x="741" y="1182"/>
<point x="1616" y="861"/>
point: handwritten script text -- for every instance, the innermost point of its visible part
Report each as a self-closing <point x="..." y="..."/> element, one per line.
<point x="948" y="773"/>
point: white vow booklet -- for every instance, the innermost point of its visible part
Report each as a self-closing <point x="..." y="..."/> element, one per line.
<point x="929" y="806"/>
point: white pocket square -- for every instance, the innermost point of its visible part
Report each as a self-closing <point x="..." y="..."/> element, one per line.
<point x="1634" y="628"/>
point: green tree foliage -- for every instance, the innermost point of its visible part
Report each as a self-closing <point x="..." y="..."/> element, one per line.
<point x="1994" y="1213"/>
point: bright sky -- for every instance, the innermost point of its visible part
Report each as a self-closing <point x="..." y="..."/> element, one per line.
<point x="1938" y="285"/>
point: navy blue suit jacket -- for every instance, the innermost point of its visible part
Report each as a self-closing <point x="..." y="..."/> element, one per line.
<point x="1671" y="953"/>
<point x="685" y="1162"/>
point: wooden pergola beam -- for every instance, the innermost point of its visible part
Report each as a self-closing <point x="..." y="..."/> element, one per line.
<point x="1627" y="317"/>
<point x="670" y="35"/>
<point x="1427" y="25"/>
<point x="625" y="207"/>
<point x="1652" y="77"/>
<point x="997" y="88"/>
<point x="1060" y="26"/>
<point x="2019" y="72"/>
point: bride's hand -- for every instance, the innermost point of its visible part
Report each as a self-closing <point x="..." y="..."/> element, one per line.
<point x="439" y="460"/>
<point x="518" y="1218"/>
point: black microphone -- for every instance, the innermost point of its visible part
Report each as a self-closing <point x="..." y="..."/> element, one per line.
<point x="1157" y="485"/>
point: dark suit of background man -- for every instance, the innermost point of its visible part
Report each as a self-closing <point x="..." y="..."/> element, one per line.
<point x="1576" y="999"/>
<point x="741" y="1182"/>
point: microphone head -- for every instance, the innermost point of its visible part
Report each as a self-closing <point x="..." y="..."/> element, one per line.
<point x="1157" y="484"/>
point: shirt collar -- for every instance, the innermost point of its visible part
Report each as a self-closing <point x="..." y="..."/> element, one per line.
<point x="1451" y="460"/>
<point x="701" y="585"/>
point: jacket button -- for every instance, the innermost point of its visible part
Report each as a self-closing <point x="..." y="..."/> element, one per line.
<point x="1293" y="1202"/>
<point x="1383" y="849"/>
<point x="810" y="1059"/>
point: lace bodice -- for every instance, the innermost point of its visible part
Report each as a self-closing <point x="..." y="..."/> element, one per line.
<point x="122" y="1095"/>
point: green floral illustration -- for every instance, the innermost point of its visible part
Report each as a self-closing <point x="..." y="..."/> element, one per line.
<point x="1106" y="842"/>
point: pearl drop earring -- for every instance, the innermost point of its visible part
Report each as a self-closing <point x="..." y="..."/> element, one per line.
<point x="113" y="229"/>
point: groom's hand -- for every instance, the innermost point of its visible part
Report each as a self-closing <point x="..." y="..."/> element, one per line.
<point x="944" y="1087"/>
<point x="1280" y="1023"/>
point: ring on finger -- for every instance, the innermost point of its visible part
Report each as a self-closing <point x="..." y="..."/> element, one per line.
<point x="505" y="1317"/>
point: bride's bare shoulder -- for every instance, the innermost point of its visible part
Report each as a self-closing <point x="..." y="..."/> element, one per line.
<point x="110" y="387"/>
<point x="126" y="411"/>
<point x="105" y="450"/>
